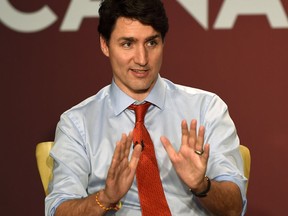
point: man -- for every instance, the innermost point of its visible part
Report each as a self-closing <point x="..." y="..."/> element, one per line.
<point x="95" y="163"/>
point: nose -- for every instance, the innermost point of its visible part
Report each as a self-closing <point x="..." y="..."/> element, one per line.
<point x="141" y="56"/>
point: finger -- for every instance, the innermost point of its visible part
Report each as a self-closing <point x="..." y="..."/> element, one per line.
<point x="185" y="132"/>
<point x="119" y="151"/>
<point x="128" y="144"/>
<point x="135" y="157"/>
<point x="193" y="134"/>
<point x="206" y="152"/>
<point x="200" y="139"/>
<point x="115" y="161"/>
<point x="123" y="146"/>
<point x="169" y="148"/>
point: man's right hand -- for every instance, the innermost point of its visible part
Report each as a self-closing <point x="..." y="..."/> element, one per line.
<point x="122" y="171"/>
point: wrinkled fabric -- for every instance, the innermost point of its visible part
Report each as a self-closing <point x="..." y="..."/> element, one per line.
<point x="86" y="136"/>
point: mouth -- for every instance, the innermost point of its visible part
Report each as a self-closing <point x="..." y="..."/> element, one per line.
<point x="139" y="70"/>
<point x="140" y="73"/>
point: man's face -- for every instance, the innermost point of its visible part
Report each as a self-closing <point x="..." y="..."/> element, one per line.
<point x="135" y="51"/>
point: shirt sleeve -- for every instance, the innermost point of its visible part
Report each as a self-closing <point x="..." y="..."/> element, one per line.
<point x="71" y="165"/>
<point x="225" y="161"/>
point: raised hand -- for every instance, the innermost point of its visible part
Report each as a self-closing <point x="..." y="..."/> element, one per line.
<point x="122" y="171"/>
<point x="190" y="162"/>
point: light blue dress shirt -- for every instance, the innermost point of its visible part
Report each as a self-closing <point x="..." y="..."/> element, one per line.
<point x="86" y="136"/>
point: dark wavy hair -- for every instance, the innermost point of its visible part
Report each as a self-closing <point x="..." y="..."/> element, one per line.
<point x="148" y="12"/>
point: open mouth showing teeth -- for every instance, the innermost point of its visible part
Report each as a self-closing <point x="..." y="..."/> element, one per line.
<point x="139" y="71"/>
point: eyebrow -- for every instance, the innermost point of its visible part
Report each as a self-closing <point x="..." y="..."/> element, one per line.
<point x="153" y="37"/>
<point x="132" y="39"/>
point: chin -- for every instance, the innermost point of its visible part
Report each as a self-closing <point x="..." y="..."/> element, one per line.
<point x="141" y="89"/>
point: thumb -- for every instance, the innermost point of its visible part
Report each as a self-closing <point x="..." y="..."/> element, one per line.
<point x="168" y="147"/>
<point x="135" y="157"/>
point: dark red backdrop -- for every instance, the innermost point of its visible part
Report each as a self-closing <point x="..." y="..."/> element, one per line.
<point x="46" y="72"/>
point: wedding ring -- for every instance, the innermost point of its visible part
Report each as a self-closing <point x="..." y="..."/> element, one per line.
<point x="199" y="152"/>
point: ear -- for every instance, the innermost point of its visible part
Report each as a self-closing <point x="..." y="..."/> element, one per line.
<point x="104" y="46"/>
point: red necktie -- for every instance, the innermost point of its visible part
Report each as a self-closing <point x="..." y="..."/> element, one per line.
<point x="151" y="194"/>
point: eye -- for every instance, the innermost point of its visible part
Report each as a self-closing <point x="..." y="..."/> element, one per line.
<point x="126" y="44"/>
<point x="152" y="43"/>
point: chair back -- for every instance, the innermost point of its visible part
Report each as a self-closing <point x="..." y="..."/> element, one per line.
<point x="245" y="153"/>
<point x="44" y="163"/>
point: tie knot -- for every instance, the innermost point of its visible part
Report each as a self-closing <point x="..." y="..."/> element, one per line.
<point x="140" y="110"/>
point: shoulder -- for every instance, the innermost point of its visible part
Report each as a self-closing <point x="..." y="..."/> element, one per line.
<point x="93" y="102"/>
<point x="186" y="90"/>
<point x="187" y="96"/>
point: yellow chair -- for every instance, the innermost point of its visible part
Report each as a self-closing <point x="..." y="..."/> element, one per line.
<point x="45" y="162"/>
<point x="245" y="153"/>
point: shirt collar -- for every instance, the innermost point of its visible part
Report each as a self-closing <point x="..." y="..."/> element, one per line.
<point x="120" y="101"/>
<point x="157" y="94"/>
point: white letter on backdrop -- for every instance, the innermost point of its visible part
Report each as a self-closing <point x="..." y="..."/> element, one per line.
<point x="231" y="9"/>
<point x="198" y="9"/>
<point x="26" y="22"/>
<point x="77" y="11"/>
